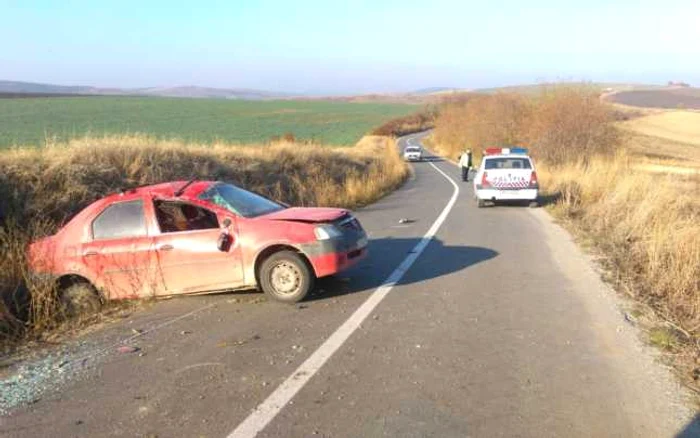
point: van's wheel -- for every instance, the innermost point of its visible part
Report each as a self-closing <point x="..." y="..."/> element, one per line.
<point x="285" y="276"/>
<point x="534" y="204"/>
<point x="480" y="203"/>
<point x="79" y="299"/>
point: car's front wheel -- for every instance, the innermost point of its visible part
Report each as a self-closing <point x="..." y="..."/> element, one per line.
<point x="285" y="276"/>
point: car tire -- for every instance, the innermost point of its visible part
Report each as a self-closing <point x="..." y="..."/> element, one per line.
<point x="285" y="276"/>
<point x="480" y="203"/>
<point x="79" y="299"/>
<point x="533" y="204"/>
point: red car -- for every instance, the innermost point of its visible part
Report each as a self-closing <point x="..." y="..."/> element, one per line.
<point x="194" y="237"/>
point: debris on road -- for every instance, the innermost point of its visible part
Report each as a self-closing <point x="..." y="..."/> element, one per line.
<point x="406" y="221"/>
<point x="26" y="382"/>
<point x="126" y="349"/>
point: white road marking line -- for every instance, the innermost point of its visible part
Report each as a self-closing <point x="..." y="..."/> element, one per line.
<point x="280" y="397"/>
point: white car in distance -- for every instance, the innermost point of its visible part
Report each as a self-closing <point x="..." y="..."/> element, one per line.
<point x="413" y="153"/>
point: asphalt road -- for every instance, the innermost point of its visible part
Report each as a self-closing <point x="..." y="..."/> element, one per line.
<point x="499" y="327"/>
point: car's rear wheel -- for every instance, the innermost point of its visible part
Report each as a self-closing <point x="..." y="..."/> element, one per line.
<point x="79" y="299"/>
<point x="285" y="276"/>
<point x="480" y="203"/>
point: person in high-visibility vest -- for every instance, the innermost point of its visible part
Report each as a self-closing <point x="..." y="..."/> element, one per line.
<point x="465" y="162"/>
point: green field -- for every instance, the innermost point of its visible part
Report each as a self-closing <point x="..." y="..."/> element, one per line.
<point x="30" y="121"/>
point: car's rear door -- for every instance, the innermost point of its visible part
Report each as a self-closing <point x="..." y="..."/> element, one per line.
<point x="187" y="250"/>
<point x="119" y="254"/>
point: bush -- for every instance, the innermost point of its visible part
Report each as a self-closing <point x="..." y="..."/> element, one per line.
<point x="568" y="124"/>
<point x="560" y="124"/>
<point x="409" y="124"/>
<point x="481" y="121"/>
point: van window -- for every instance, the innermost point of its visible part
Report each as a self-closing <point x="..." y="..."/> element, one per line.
<point x="507" y="163"/>
<point x="122" y="220"/>
<point x="179" y="216"/>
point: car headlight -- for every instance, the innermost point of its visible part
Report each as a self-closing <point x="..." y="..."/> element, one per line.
<point x="326" y="232"/>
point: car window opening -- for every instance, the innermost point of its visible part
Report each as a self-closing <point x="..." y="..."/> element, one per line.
<point x="507" y="163"/>
<point x="121" y="220"/>
<point x="178" y="216"/>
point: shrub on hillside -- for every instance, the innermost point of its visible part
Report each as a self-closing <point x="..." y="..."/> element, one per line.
<point x="417" y="122"/>
<point x="568" y="124"/>
<point x="480" y="122"/>
<point x="560" y="124"/>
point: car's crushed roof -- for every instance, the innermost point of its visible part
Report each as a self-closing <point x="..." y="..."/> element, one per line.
<point x="169" y="189"/>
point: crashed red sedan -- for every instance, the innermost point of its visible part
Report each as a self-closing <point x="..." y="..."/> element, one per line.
<point x="195" y="237"/>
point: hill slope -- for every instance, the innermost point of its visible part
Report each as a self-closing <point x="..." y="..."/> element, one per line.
<point x="14" y="88"/>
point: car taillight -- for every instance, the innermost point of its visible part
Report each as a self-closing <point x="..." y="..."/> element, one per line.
<point x="484" y="182"/>
<point x="533" y="179"/>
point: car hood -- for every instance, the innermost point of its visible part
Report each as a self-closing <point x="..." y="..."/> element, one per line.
<point x="311" y="215"/>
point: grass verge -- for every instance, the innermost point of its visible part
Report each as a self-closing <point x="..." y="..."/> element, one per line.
<point x="40" y="189"/>
<point x="645" y="228"/>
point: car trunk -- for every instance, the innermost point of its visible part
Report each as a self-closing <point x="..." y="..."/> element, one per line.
<point x="508" y="173"/>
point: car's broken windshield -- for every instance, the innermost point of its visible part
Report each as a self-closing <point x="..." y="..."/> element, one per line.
<point x="239" y="201"/>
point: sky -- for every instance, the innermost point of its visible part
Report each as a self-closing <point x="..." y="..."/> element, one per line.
<point x="358" y="46"/>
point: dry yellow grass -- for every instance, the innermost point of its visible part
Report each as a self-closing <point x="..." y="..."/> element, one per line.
<point x="667" y="140"/>
<point x="666" y="167"/>
<point x="39" y="188"/>
<point x="676" y="126"/>
<point x="646" y="226"/>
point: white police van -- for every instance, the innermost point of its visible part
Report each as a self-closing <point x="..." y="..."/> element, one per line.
<point x="506" y="174"/>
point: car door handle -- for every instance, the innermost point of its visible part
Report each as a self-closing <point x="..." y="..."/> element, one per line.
<point x="89" y="253"/>
<point x="165" y="248"/>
